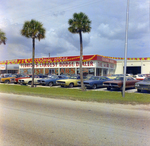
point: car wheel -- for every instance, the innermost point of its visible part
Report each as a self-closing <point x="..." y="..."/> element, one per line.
<point x="30" y="82"/>
<point x="121" y="89"/>
<point x="108" y="88"/>
<point x="51" y="84"/>
<point x="71" y="85"/>
<point x="94" y="86"/>
<point x="62" y="86"/>
<point x="7" y="81"/>
<point x="138" y="90"/>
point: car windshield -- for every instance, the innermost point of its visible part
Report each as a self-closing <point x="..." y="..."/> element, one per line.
<point x="114" y="75"/>
<point x="119" y="78"/>
<point x="73" y="77"/>
<point x="54" y="77"/>
<point x="147" y="79"/>
<point x="140" y="76"/>
<point x="94" y="78"/>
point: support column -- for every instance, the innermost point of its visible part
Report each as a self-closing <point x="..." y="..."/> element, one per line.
<point x="95" y="71"/>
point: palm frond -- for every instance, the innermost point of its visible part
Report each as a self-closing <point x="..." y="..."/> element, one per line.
<point x="2" y="37"/>
<point x="79" y="22"/>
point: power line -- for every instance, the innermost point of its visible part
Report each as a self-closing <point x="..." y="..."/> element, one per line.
<point x="63" y="10"/>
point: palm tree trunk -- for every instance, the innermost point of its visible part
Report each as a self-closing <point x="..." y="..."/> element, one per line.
<point x="33" y="52"/>
<point x="81" y="54"/>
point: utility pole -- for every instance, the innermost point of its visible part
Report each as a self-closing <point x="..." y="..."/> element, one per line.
<point x="125" y="50"/>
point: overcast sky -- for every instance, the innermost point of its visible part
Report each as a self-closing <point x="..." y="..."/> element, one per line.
<point x="107" y="36"/>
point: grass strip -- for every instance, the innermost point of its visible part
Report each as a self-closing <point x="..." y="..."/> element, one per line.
<point x="77" y="94"/>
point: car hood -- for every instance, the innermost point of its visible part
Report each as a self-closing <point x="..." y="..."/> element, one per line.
<point x="114" y="81"/>
<point x="47" y="80"/>
<point x="144" y="82"/>
<point x="69" y="80"/>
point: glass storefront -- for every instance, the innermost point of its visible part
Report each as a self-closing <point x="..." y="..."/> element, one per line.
<point x="68" y="71"/>
<point x="86" y="71"/>
<point x="99" y="72"/>
<point x="105" y="72"/>
<point x="25" y="71"/>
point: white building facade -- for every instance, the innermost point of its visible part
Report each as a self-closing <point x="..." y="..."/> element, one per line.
<point x="134" y="67"/>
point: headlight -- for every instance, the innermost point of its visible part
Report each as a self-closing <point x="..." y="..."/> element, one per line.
<point x="136" y="85"/>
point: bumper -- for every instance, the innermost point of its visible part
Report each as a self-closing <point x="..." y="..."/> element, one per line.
<point x="143" y="88"/>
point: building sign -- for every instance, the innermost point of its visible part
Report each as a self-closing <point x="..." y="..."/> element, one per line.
<point x="68" y="64"/>
<point x="2" y="68"/>
<point x="105" y="65"/>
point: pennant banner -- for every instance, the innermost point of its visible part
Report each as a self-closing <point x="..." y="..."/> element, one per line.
<point x="63" y="59"/>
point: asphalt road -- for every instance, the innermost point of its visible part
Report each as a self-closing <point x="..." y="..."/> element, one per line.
<point x="36" y="121"/>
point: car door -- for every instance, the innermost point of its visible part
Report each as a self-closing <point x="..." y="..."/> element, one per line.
<point x="100" y="82"/>
<point x="130" y="82"/>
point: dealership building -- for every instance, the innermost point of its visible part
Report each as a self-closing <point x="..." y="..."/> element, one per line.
<point x="92" y="64"/>
<point x="138" y="66"/>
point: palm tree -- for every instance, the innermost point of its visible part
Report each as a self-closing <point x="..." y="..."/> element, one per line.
<point x="2" y="37"/>
<point x="80" y="23"/>
<point x="33" y="29"/>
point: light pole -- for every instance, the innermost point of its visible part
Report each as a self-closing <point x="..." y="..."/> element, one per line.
<point x="125" y="50"/>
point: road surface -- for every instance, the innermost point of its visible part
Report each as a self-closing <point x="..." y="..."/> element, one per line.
<point x="36" y="121"/>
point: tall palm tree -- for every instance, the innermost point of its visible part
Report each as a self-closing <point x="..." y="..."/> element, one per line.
<point x="33" y="29"/>
<point x="78" y="24"/>
<point x="2" y="37"/>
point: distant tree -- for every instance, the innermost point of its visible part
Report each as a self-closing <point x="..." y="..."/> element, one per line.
<point x="34" y="30"/>
<point x="2" y="37"/>
<point x="78" y="24"/>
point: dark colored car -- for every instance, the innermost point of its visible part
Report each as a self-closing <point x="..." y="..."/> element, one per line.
<point x="118" y="83"/>
<point x="52" y="80"/>
<point x="95" y="81"/>
<point x="143" y="85"/>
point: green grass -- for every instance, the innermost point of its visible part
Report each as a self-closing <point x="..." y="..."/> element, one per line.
<point x="77" y="94"/>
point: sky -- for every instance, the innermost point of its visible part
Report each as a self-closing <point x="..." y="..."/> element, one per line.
<point x="107" y="35"/>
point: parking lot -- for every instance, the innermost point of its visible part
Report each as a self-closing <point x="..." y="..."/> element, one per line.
<point x="130" y="90"/>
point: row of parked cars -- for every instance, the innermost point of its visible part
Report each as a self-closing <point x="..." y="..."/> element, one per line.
<point x="74" y="80"/>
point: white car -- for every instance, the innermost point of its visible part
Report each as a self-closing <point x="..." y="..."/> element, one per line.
<point x="28" y="81"/>
<point x="139" y="77"/>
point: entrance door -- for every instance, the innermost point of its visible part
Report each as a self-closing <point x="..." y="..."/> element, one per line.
<point x="133" y="70"/>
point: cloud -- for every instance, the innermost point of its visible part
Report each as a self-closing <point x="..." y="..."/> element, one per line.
<point x="107" y="36"/>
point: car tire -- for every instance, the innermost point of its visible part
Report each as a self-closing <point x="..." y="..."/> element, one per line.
<point x="50" y="84"/>
<point x="30" y="82"/>
<point x="138" y="90"/>
<point x="108" y="88"/>
<point x="121" y="89"/>
<point x="62" y="85"/>
<point x="94" y="86"/>
<point x="7" y="81"/>
<point x="71" y="85"/>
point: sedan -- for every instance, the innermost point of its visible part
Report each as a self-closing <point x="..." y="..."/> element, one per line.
<point x="28" y="81"/>
<point x="95" y="81"/>
<point x="52" y="80"/>
<point x="143" y="85"/>
<point x="70" y="82"/>
<point x="118" y="83"/>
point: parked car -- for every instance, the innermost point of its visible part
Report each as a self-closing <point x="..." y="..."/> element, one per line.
<point x="139" y="77"/>
<point x="7" y="78"/>
<point x="23" y="77"/>
<point x="95" y="81"/>
<point x="118" y="83"/>
<point x="143" y="85"/>
<point x="28" y="81"/>
<point x="52" y="80"/>
<point x="71" y="81"/>
<point x="113" y="76"/>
